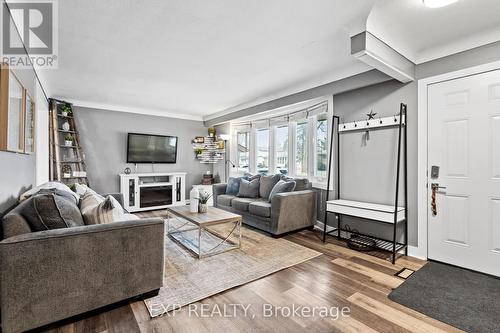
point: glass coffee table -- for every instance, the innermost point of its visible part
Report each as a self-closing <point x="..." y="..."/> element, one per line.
<point x="204" y="234"/>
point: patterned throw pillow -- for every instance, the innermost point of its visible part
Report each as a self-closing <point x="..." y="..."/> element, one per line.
<point x="107" y="211"/>
<point x="282" y="187"/>
<point x="249" y="189"/>
<point x="49" y="211"/>
<point x="89" y="200"/>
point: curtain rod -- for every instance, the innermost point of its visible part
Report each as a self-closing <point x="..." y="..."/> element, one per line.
<point x="288" y="115"/>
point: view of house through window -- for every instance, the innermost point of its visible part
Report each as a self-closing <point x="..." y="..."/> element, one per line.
<point x="282" y="149"/>
<point x="243" y="158"/>
<point x="263" y="150"/>
<point x="321" y="163"/>
<point x="301" y="149"/>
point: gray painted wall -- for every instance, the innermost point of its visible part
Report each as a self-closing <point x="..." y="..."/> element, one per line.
<point x="103" y="136"/>
<point x="218" y="168"/>
<point x="474" y="57"/>
<point x="17" y="176"/>
<point x="17" y="170"/>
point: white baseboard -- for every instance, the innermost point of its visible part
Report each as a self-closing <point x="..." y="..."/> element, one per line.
<point x="414" y="251"/>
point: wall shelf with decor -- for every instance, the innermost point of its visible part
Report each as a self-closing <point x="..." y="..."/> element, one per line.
<point x="208" y="149"/>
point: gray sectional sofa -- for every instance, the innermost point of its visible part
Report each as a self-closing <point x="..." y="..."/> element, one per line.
<point x="47" y="276"/>
<point x="285" y="213"/>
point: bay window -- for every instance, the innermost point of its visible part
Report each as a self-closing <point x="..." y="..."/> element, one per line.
<point x="294" y="143"/>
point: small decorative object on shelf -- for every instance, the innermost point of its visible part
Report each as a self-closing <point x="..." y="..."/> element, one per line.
<point x="208" y="178"/>
<point x="127" y="171"/>
<point x="68" y="140"/>
<point x="66" y="110"/>
<point x="79" y="174"/>
<point x="211" y="132"/>
<point x="65" y="126"/>
<point x="199" y="139"/>
<point x="66" y="171"/>
<point x="203" y="198"/>
<point x="198" y="152"/>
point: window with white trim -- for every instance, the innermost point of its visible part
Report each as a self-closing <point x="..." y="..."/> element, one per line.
<point x="294" y="143"/>
<point x="243" y="151"/>
<point x="301" y="148"/>
<point x="281" y="149"/>
<point x="321" y="147"/>
<point x="262" y="143"/>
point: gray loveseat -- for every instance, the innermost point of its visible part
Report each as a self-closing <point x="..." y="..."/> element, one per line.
<point x="285" y="213"/>
<point x="51" y="275"/>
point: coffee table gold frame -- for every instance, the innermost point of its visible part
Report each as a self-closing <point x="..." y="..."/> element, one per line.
<point x="201" y="222"/>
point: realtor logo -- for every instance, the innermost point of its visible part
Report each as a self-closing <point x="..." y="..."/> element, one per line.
<point x="29" y="27"/>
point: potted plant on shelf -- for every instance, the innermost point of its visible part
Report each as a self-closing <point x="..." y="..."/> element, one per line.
<point x="68" y="140"/>
<point x="198" y="152"/>
<point x="203" y="198"/>
<point x="66" y="110"/>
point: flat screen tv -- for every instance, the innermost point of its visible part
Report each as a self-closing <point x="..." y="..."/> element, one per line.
<point x="147" y="148"/>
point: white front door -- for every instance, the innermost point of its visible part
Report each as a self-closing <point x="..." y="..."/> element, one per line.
<point x="464" y="141"/>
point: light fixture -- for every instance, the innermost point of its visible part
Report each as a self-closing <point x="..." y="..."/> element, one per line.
<point x="225" y="137"/>
<point x="438" y="3"/>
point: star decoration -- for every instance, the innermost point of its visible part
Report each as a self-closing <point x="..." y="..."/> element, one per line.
<point x="371" y="115"/>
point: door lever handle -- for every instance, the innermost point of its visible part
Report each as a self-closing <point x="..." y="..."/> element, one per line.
<point x="435" y="188"/>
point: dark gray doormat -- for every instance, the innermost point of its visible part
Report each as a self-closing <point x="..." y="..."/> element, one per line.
<point x="464" y="299"/>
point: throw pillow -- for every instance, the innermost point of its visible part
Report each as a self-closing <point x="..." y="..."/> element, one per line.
<point x="89" y="200"/>
<point x="107" y="211"/>
<point x="249" y="176"/>
<point x="301" y="183"/>
<point x="59" y="193"/>
<point x="249" y="189"/>
<point x="233" y="185"/>
<point x="48" y="185"/>
<point x="282" y="187"/>
<point x="266" y="185"/>
<point x="49" y="211"/>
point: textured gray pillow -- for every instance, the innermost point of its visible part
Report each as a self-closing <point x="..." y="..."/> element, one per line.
<point x="266" y="185"/>
<point x="301" y="183"/>
<point x="249" y="189"/>
<point x="282" y="187"/>
<point x="50" y="211"/>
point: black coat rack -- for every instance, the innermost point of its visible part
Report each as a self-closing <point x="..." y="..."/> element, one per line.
<point x="374" y="212"/>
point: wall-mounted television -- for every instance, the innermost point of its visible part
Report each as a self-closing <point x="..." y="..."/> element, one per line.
<point x="148" y="148"/>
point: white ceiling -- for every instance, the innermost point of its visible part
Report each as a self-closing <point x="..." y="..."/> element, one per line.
<point x="193" y="58"/>
<point x="423" y="34"/>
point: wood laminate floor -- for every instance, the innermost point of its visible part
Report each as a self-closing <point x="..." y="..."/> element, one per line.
<point x="341" y="278"/>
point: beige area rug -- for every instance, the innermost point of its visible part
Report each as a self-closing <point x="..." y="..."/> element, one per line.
<point x="188" y="279"/>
